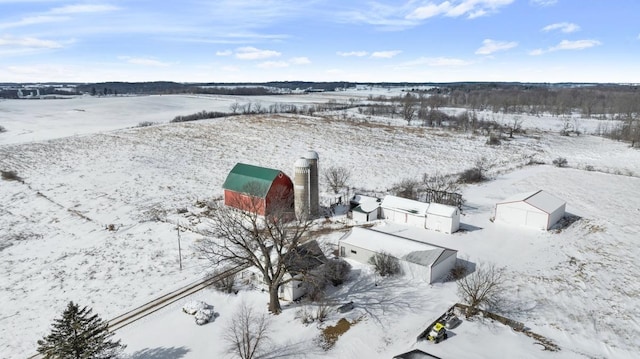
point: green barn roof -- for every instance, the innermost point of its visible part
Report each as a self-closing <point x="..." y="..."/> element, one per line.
<point x="250" y="179"/>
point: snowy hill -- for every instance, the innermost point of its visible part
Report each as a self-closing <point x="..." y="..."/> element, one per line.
<point x="94" y="221"/>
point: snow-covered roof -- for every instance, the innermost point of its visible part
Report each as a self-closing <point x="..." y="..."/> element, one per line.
<point x="406" y="205"/>
<point x="539" y="199"/>
<point x="400" y="247"/>
<point x="442" y="210"/>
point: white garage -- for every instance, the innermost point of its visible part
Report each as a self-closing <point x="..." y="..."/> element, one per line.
<point x="418" y="260"/>
<point x="443" y="218"/>
<point x="537" y="209"/>
<point x="404" y="211"/>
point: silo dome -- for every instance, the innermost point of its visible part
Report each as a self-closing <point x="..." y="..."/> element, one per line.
<point x="311" y="155"/>
<point x="302" y="162"/>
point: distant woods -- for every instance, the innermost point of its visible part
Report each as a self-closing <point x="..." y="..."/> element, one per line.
<point x="420" y="104"/>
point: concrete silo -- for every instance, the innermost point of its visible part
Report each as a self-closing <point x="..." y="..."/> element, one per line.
<point x="301" y="186"/>
<point x="314" y="195"/>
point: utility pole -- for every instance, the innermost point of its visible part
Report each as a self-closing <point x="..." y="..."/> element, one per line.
<point x="179" y="250"/>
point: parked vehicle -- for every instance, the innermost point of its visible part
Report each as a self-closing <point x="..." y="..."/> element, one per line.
<point x="437" y="333"/>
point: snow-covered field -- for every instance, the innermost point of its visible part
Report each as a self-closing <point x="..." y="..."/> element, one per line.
<point x="85" y="167"/>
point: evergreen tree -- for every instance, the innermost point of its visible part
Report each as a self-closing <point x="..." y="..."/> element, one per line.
<point x="79" y="335"/>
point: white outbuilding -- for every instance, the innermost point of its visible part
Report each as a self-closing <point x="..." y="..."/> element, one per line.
<point x="404" y="211"/>
<point x="434" y="216"/>
<point x="418" y="260"/>
<point x="365" y="208"/>
<point x="537" y="209"/>
<point x="443" y="218"/>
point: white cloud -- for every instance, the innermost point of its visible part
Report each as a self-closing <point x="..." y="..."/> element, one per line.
<point x="567" y="45"/>
<point x="143" y="61"/>
<point x="300" y="61"/>
<point x="273" y="64"/>
<point x="544" y="2"/>
<point x="490" y="46"/>
<point x="352" y="53"/>
<point x="251" y="53"/>
<point x="224" y="53"/>
<point x="83" y="9"/>
<point x="436" y="62"/>
<point x="455" y="8"/>
<point x="29" y="42"/>
<point x="385" y="54"/>
<point x="565" y="27"/>
<point x="430" y="10"/>
<point x="33" y="20"/>
<point x="575" y="45"/>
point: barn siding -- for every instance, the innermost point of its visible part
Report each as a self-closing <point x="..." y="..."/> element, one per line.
<point x="244" y="202"/>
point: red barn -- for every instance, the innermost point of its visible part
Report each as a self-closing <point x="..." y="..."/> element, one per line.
<point x="257" y="189"/>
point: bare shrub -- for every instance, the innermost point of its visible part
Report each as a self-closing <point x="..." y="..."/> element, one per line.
<point x="146" y="123"/>
<point x="482" y="288"/>
<point x="385" y="264"/>
<point x="11" y="176"/>
<point x="493" y="140"/>
<point x="2" y="129"/>
<point x="458" y="271"/>
<point x="323" y="309"/>
<point x="475" y="174"/>
<point x="305" y="315"/>
<point x="224" y="282"/>
<point x="471" y="175"/>
<point x="560" y="162"/>
<point x="247" y="333"/>
<point x="336" y="271"/>
<point x="406" y="188"/>
<point x="336" y="178"/>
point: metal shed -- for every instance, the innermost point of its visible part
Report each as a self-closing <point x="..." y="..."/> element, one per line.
<point x="418" y="260"/>
<point x="404" y="211"/>
<point x="443" y="218"/>
<point x="537" y="209"/>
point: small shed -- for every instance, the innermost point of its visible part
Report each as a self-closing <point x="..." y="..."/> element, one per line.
<point x="418" y="260"/>
<point x="443" y="218"/>
<point x="537" y="209"/>
<point x="257" y="189"/>
<point x="364" y="208"/>
<point x="404" y="211"/>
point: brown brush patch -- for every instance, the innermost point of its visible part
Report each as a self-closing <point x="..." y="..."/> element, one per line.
<point x="331" y="334"/>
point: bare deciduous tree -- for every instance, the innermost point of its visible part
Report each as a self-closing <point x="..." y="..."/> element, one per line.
<point x="406" y="188"/>
<point x="385" y="264"/>
<point x="482" y="288"/>
<point x="336" y="177"/>
<point x="234" y="107"/>
<point x="248" y="333"/>
<point x="515" y="125"/>
<point x="267" y="243"/>
<point x="441" y="183"/>
<point x="408" y="107"/>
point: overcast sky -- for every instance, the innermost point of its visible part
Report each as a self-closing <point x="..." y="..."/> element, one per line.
<point x="320" y="40"/>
